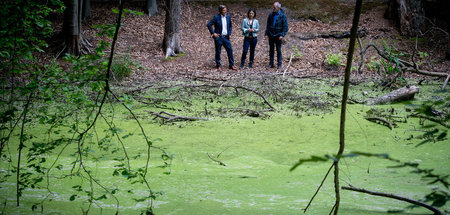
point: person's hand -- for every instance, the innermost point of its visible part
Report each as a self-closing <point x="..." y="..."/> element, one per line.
<point x="215" y="35"/>
<point x="280" y="38"/>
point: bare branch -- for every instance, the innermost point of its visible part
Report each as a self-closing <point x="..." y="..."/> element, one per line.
<point x="219" y="162"/>
<point x="169" y="117"/>
<point x="289" y="64"/>
<point x="317" y="191"/>
<point x="389" y="124"/>
<point x="392" y="196"/>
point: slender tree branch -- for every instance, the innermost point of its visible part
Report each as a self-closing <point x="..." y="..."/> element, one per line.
<point x="344" y="101"/>
<point x="21" y="146"/>
<point x="111" y="126"/>
<point x="289" y="64"/>
<point x="392" y="196"/>
<point x="320" y="186"/>
<point x="445" y="82"/>
<point x="219" y="162"/>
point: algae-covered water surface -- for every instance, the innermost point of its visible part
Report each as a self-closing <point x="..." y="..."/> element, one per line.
<point x="241" y="165"/>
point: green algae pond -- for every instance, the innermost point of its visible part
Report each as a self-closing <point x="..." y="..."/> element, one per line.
<point x="238" y="165"/>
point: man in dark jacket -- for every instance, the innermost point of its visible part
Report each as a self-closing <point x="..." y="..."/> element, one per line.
<point x="221" y="35"/>
<point x="276" y="29"/>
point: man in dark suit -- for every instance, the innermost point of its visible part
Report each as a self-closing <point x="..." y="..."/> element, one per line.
<point x="276" y="29"/>
<point x="221" y="35"/>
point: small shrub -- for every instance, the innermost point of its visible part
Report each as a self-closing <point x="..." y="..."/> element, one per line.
<point x="297" y="54"/>
<point x="122" y="67"/>
<point x="373" y="64"/>
<point x="335" y="59"/>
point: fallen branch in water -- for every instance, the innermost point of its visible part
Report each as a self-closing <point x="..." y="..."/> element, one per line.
<point x="389" y="124"/>
<point x="404" y="93"/>
<point x="219" y="162"/>
<point x="248" y="112"/>
<point x="392" y="196"/>
<point x="172" y="117"/>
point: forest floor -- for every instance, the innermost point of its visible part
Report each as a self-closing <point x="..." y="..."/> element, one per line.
<point x="141" y="37"/>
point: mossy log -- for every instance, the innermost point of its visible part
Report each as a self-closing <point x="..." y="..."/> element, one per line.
<point x="404" y="93"/>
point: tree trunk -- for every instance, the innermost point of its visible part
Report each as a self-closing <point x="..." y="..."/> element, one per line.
<point x="401" y="94"/>
<point x="74" y="43"/>
<point x="171" y="42"/>
<point x="86" y="9"/>
<point x="408" y="14"/>
<point x="150" y="8"/>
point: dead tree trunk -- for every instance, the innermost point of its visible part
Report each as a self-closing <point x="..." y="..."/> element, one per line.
<point x="171" y="42"/>
<point x="408" y="14"/>
<point x="150" y="8"/>
<point x="401" y="94"/>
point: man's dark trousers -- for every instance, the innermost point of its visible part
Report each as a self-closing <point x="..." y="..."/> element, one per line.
<point x="225" y="41"/>
<point x="272" y="42"/>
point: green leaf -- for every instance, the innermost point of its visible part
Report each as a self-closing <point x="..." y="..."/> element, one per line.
<point x="101" y="197"/>
<point x="312" y="159"/>
<point x="441" y="136"/>
<point x="72" y="197"/>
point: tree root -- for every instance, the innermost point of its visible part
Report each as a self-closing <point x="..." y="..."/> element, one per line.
<point x="169" y="117"/>
<point x="392" y="196"/>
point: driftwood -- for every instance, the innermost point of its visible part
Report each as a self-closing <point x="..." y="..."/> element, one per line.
<point x="404" y="93"/>
<point x="330" y="34"/>
<point x="392" y="196"/>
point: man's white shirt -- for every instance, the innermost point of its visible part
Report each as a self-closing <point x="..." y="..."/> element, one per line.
<point x="224" y="25"/>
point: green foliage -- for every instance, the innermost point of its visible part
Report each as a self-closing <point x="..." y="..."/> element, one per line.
<point x="122" y="67"/>
<point x="297" y="54"/>
<point x="66" y="101"/>
<point x="438" y="113"/>
<point x="312" y="159"/>
<point x="390" y="70"/>
<point x="335" y="59"/>
<point x="423" y="55"/>
<point x="373" y="64"/>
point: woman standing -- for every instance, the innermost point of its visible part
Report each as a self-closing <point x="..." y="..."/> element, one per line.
<point x="250" y="28"/>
